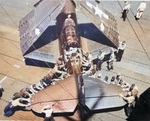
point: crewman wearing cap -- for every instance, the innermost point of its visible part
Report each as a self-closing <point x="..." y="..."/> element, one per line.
<point x="110" y="62"/>
<point x="125" y="10"/>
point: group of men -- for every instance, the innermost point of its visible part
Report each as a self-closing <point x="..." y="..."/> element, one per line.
<point x="114" y="56"/>
<point x="131" y="91"/>
<point x="21" y="100"/>
<point x="139" y="13"/>
<point x="93" y="67"/>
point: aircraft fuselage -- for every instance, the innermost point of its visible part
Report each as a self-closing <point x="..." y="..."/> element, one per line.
<point x="68" y="38"/>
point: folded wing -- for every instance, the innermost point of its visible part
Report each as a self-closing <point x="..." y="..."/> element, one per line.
<point x="97" y="24"/>
<point x="38" y="28"/>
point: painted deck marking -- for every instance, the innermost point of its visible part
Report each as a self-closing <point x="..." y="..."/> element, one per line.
<point x="3" y="79"/>
<point x="16" y="66"/>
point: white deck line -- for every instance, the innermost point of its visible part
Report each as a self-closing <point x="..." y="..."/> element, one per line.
<point x="3" y="79"/>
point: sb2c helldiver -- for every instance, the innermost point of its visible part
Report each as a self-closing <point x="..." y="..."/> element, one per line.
<point x="60" y="28"/>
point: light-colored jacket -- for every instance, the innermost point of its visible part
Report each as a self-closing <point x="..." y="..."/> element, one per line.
<point x="130" y="99"/>
<point x="127" y="7"/>
<point x="142" y="7"/>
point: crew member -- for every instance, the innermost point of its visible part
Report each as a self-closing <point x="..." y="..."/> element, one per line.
<point x="100" y="61"/>
<point x="106" y="79"/>
<point x="132" y="87"/>
<point x="113" y="80"/>
<point x="23" y="93"/>
<point x="120" y="52"/>
<point x="47" y="110"/>
<point x="140" y="10"/>
<point x="125" y="10"/>
<point x="110" y="62"/>
<point x="130" y="98"/>
<point x="118" y="78"/>
<point x="15" y="105"/>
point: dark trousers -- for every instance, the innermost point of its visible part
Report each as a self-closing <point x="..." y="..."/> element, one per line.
<point x="128" y="109"/>
<point x="99" y="65"/>
<point x="124" y="14"/>
<point x="9" y="110"/>
<point x="119" y="55"/>
<point x="1" y="92"/>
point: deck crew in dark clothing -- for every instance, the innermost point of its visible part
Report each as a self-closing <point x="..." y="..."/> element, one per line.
<point x="1" y="91"/>
<point x="125" y="10"/>
<point x="15" y="105"/>
<point x="120" y="52"/>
